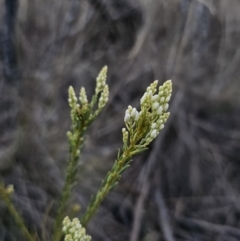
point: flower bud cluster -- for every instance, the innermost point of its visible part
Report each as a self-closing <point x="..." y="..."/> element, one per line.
<point x="131" y="114"/>
<point x="84" y="112"/>
<point x="73" y="103"/>
<point x="147" y="97"/>
<point x="156" y="127"/>
<point x="83" y="101"/>
<point x="125" y="135"/>
<point x="74" y="231"/>
<point x="72" y="99"/>
<point x="101" y="80"/>
<point x="83" y="96"/>
<point x="164" y="94"/>
<point x="104" y="97"/>
<point x="153" y="112"/>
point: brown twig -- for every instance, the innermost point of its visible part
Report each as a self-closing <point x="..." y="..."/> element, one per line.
<point x="163" y="216"/>
<point x="208" y="226"/>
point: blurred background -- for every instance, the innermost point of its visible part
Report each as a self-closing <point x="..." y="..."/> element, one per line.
<point x="186" y="186"/>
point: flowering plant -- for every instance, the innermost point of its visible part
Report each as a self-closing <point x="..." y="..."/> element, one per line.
<point x="141" y="128"/>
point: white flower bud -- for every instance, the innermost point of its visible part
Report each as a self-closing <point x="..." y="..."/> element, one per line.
<point x="166" y="107"/>
<point x="150" y="93"/>
<point x="133" y="112"/>
<point x="154" y="98"/>
<point x="159" y="110"/>
<point x="168" y="98"/>
<point x="127" y="118"/>
<point x="162" y="99"/>
<point x="75" y="235"/>
<point x="130" y="108"/>
<point x="78" y="226"/>
<point x="153" y="126"/>
<point x="160" y="93"/>
<point x="161" y="126"/>
<point x="101" y="80"/>
<point x="155" y="105"/>
<point x="160" y="121"/>
<point x="154" y="133"/>
<point x="143" y="98"/>
<point x="160" y="88"/>
<point x="127" y="112"/>
<point x="136" y="116"/>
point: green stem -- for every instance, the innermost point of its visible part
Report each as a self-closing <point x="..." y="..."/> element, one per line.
<point x="68" y="185"/>
<point x="109" y="182"/>
<point x="13" y="211"/>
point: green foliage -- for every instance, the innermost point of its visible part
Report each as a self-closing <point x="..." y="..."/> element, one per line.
<point x="141" y="128"/>
<point x="5" y="195"/>
<point x="83" y="114"/>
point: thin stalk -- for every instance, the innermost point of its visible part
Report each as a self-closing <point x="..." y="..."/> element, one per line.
<point x="15" y="214"/>
<point x="109" y="182"/>
<point x="68" y="185"/>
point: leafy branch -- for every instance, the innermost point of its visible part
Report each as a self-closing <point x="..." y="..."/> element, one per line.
<point x="83" y="114"/>
<point x="141" y="129"/>
<point x="5" y="195"/>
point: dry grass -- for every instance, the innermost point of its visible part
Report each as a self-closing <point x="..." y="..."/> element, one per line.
<point x="187" y="186"/>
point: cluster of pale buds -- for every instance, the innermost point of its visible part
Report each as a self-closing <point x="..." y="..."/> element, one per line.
<point x="153" y="112"/>
<point x="156" y="127"/>
<point x="101" y="80"/>
<point x="104" y="97"/>
<point x="74" y="230"/>
<point x="72" y="98"/>
<point x="85" y="108"/>
<point x="158" y="102"/>
<point x="83" y="96"/>
<point x="131" y="113"/>
<point x="125" y="136"/>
